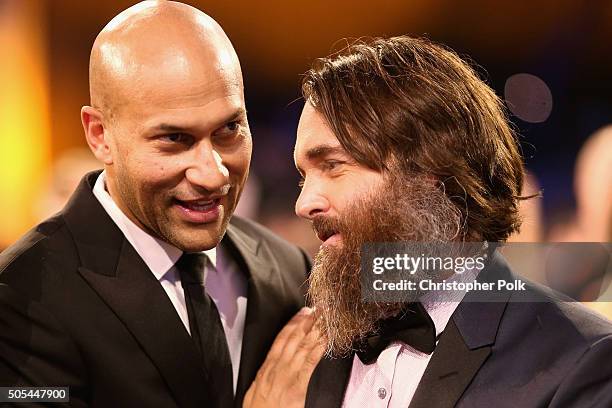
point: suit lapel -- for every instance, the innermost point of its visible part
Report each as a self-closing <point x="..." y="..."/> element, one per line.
<point x="116" y="272"/>
<point x="449" y="371"/>
<point x="466" y="343"/>
<point x="266" y="307"/>
<point x="143" y="306"/>
<point x="328" y="383"/>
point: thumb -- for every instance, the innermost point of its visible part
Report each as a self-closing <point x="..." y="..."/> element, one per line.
<point x="248" y="398"/>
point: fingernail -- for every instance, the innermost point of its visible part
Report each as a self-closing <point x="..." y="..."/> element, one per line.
<point x="305" y="311"/>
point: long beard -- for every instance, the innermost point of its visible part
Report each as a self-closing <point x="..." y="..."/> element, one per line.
<point x="401" y="210"/>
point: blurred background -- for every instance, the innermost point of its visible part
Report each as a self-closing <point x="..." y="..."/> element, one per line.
<point x="549" y="60"/>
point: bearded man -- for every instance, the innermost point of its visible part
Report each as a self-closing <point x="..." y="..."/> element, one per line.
<point x="145" y="291"/>
<point x="399" y="140"/>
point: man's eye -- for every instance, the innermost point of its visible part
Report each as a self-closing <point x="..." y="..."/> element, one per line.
<point x="331" y="164"/>
<point x="230" y="128"/>
<point x="176" y="138"/>
<point x="229" y="132"/>
<point x="233" y="126"/>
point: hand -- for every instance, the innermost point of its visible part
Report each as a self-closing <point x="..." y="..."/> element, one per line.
<point x="283" y="378"/>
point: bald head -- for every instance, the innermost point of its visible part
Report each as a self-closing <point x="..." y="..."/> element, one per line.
<point x="153" y="43"/>
<point x="168" y="121"/>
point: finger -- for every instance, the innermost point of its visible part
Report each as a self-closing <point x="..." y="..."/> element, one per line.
<point x="309" y="364"/>
<point x="309" y="345"/>
<point x="280" y="371"/>
<point x="295" y="353"/>
<point x="316" y="353"/>
<point x="248" y="398"/>
<point x="296" y="338"/>
<point x="268" y="370"/>
<point x="285" y="334"/>
<point x="306" y="360"/>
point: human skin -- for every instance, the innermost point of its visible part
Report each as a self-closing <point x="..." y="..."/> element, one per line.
<point x="168" y="120"/>
<point x="282" y="380"/>
<point x="331" y="179"/>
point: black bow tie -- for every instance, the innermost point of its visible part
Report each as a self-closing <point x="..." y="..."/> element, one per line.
<point x="411" y="326"/>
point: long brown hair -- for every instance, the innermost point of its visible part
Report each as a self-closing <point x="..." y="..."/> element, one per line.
<point x="412" y="106"/>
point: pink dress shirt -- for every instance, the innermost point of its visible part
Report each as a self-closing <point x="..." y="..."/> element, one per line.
<point x="392" y="380"/>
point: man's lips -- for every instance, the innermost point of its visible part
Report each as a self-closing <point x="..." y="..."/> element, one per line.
<point x="327" y="229"/>
<point x="323" y="235"/>
<point x="332" y="239"/>
<point x="199" y="210"/>
<point x="328" y="237"/>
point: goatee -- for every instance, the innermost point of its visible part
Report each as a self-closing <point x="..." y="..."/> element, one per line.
<point x="401" y="210"/>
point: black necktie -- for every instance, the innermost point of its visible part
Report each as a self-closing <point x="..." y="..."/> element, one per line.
<point x="206" y="328"/>
<point x="411" y="326"/>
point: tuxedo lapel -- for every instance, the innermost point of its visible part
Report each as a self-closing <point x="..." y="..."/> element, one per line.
<point x="116" y="272"/>
<point x="449" y="371"/>
<point x="328" y="383"/>
<point x="466" y="342"/>
<point x="264" y="304"/>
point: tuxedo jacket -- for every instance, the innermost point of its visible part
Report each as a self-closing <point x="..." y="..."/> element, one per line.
<point x="523" y="349"/>
<point x="80" y="308"/>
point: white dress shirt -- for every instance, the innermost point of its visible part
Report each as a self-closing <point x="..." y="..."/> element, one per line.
<point x="392" y="380"/>
<point x="225" y="283"/>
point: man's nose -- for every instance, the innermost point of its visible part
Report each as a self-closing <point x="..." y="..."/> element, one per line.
<point x="311" y="203"/>
<point x="207" y="169"/>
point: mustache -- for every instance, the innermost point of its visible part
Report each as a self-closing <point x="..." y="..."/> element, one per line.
<point x="326" y="226"/>
<point x="202" y="192"/>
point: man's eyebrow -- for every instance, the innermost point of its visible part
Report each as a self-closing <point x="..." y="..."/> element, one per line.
<point x="238" y="114"/>
<point x="169" y="128"/>
<point x="165" y="127"/>
<point x="320" y="152"/>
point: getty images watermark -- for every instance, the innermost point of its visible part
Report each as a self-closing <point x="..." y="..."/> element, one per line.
<point x="485" y="272"/>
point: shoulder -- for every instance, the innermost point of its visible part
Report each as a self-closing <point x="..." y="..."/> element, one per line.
<point x="554" y="311"/>
<point x="582" y="342"/>
<point x="27" y="265"/>
<point x="541" y="339"/>
<point x="542" y="328"/>
<point x="279" y="246"/>
<point x="540" y="316"/>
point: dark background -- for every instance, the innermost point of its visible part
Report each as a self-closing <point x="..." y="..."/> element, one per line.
<point x="564" y="43"/>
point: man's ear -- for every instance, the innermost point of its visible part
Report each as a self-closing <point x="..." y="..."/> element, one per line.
<point x="95" y="134"/>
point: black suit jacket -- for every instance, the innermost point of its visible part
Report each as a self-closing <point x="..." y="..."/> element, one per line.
<point x="80" y="308"/>
<point x="513" y="349"/>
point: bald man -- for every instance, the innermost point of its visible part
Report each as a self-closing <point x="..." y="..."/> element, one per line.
<point x="145" y="291"/>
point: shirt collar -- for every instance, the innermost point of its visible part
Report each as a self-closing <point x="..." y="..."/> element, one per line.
<point x="440" y="310"/>
<point x="158" y="255"/>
